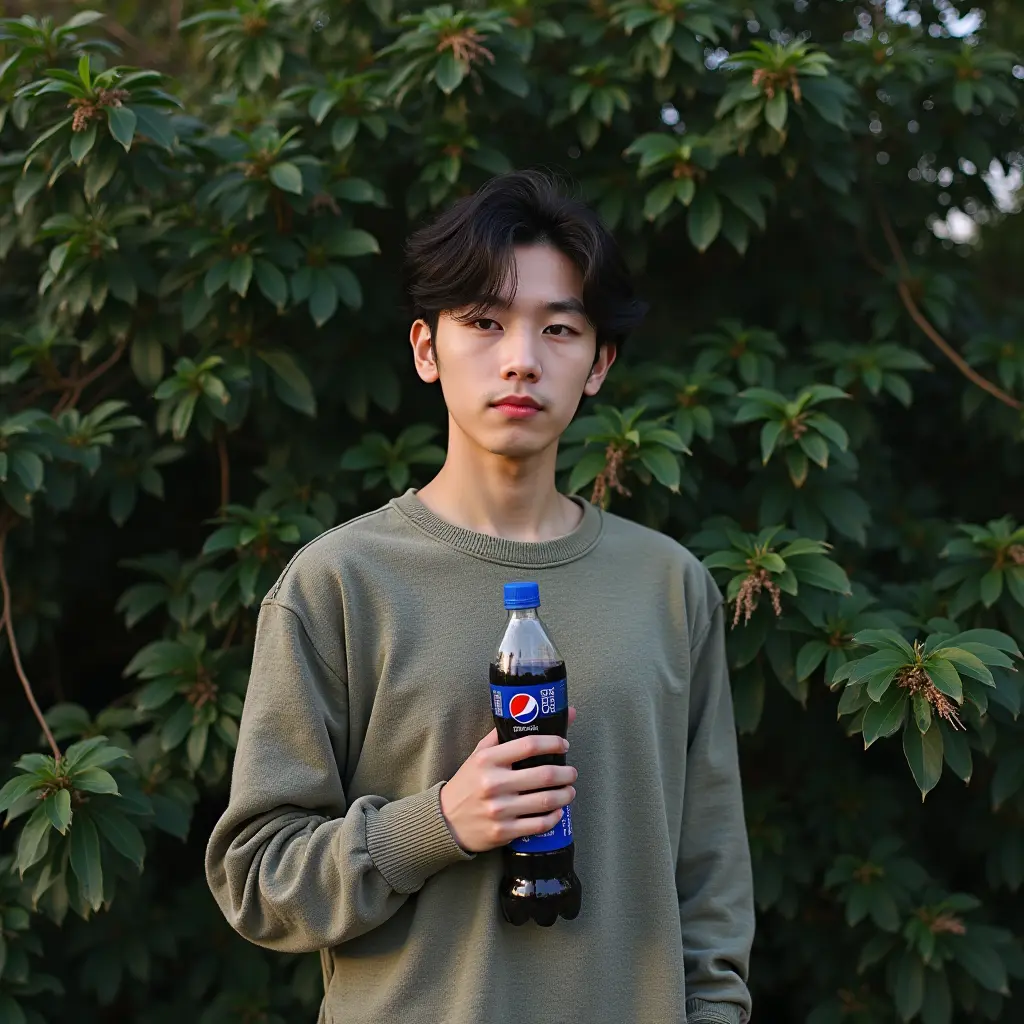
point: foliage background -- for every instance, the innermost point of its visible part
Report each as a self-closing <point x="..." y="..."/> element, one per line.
<point x="202" y="365"/>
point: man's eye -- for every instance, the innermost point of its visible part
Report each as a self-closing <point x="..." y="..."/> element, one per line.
<point x="485" y="324"/>
<point x="561" y="330"/>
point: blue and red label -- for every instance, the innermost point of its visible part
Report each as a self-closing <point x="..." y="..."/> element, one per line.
<point x="526" y="705"/>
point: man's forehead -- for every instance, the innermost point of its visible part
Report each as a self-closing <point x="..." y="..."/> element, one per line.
<point x="550" y="301"/>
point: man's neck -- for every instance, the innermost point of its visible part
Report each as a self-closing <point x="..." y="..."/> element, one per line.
<point x="515" y="499"/>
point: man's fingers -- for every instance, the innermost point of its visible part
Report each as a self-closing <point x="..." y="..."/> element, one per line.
<point x="490" y="740"/>
<point x="526" y="780"/>
<point x="528" y="746"/>
<point x="544" y="802"/>
<point x="572" y="714"/>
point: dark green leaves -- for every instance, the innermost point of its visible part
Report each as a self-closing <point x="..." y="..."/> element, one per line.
<point x="287" y="177"/>
<point x="122" y="123"/>
<point x="705" y="219"/>
<point x="923" y="751"/>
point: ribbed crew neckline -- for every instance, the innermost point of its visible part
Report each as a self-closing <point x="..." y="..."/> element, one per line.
<point x="518" y="553"/>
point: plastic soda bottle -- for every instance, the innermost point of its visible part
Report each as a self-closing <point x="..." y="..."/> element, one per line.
<point x="529" y="695"/>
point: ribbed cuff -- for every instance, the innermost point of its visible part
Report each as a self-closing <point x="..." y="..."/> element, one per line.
<point x="409" y="840"/>
<point x="700" y="1011"/>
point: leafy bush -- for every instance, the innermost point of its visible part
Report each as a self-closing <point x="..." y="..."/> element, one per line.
<point x="203" y="366"/>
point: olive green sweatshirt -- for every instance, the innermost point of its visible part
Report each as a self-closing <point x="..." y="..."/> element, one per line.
<point x="369" y="689"/>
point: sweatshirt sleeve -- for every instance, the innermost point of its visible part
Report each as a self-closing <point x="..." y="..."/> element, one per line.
<point x="713" y="873"/>
<point x="293" y="864"/>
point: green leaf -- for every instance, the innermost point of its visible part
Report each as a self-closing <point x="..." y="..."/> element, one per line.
<point x="884" y="718"/>
<point x="770" y="434"/>
<point x="195" y="749"/>
<point x="819" y="571"/>
<point x="241" y="275"/>
<point x="991" y="587"/>
<point x="659" y="199"/>
<point x="58" y="809"/>
<point x="776" y="110"/>
<point x="122" y="835"/>
<point x="705" y="219"/>
<point x="11" y="1011"/>
<point x="95" y="780"/>
<point x="664" y="466"/>
<point x="272" y="283"/>
<point x="14" y="789"/>
<point x="33" y="841"/>
<point x="811" y="655"/>
<point x="449" y="72"/>
<point x="909" y="990"/>
<point x="323" y="303"/>
<point x="287" y="177"/>
<point x="352" y="242"/>
<point x="82" y="143"/>
<point x="292" y="385"/>
<point x="957" y="751"/>
<point x="122" y="122"/>
<point x="796" y="463"/>
<point x="963" y="96"/>
<point x="815" y="448"/>
<point x="924" y="755"/>
<point x="981" y="962"/>
<point x="85" y="861"/>
<point x="879" y="682"/>
<point x="945" y="677"/>
<point x="922" y="712"/>
<point x="1008" y="777"/>
<point x="586" y="470"/>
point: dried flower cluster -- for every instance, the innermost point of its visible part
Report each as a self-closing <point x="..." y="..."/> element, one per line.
<point x="88" y="110"/>
<point x="771" y="81"/>
<point x="750" y="591"/>
<point x="466" y="46"/>
<point x="609" y="477"/>
<point x="943" y="923"/>
<point x="915" y="679"/>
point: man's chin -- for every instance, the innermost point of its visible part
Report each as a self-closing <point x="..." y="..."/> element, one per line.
<point x="520" y="448"/>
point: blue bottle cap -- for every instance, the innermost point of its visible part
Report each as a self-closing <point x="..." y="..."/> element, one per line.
<point x="522" y="595"/>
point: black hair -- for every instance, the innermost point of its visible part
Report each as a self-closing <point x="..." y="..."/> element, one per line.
<point x="464" y="258"/>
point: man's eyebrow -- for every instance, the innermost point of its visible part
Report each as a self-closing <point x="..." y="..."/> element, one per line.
<point x="572" y="305"/>
<point x="569" y="305"/>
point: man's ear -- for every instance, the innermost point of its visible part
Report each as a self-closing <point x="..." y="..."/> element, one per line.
<point x="606" y="354"/>
<point x="423" y="352"/>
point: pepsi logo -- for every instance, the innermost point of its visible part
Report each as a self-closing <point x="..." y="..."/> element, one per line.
<point x="523" y="708"/>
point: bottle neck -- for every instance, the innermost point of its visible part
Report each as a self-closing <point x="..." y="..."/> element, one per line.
<point x="522" y="613"/>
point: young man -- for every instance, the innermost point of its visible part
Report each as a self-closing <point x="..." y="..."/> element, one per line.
<point x="370" y="797"/>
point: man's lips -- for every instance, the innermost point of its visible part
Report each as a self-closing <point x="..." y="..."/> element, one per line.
<point x="518" y="406"/>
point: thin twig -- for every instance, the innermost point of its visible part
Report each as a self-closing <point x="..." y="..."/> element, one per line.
<point x="907" y="297"/>
<point x="225" y="468"/>
<point x="232" y="628"/>
<point x="8" y="619"/>
<point x="76" y="386"/>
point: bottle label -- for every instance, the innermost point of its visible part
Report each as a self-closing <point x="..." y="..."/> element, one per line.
<point x="525" y="705"/>
<point x="558" y="837"/>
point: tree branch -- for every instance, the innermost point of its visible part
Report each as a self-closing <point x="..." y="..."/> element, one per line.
<point x="907" y="297"/>
<point x="77" y="385"/>
<point x="225" y="468"/>
<point x="8" y="620"/>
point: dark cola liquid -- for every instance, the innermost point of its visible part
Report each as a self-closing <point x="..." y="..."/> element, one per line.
<point x="535" y="886"/>
<point x="547" y="725"/>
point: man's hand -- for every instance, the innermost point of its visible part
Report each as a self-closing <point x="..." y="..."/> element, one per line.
<point x="488" y="803"/>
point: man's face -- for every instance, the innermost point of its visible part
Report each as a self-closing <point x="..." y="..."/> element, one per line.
<point x="513" y="378"/>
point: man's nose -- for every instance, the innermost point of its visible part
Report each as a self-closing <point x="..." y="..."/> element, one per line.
<point x="521" y="356"/>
